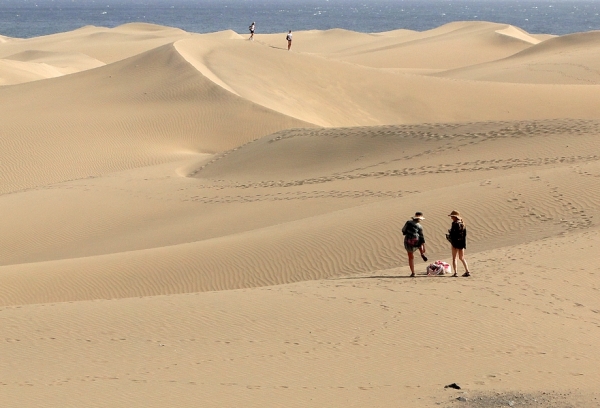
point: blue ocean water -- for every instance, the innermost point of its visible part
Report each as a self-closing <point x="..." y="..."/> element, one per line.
<point x="31" y="18"/>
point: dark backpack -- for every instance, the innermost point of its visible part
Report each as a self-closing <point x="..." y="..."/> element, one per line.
<point x="410" y="228"/>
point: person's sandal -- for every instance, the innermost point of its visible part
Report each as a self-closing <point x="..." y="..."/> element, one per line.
<point x="424" y="257"/>
<point x="466" y="274"/>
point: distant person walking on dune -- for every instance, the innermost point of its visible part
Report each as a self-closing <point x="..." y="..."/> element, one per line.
<point x="288" y="37"/>
<point x="252" y="28"/>
<point x="457" y="235"/>
<point x="414" y="239"/>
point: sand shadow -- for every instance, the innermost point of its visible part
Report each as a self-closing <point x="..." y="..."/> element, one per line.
<point x="394" y="277"/>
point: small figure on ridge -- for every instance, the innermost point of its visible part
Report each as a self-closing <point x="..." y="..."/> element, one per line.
<point x="288" y="37"/>
<point x="251" y="28"/>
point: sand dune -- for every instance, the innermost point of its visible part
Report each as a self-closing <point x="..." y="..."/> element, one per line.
<point x="35" y="65"/>
<point x="148" y="109"/>
<point x="104" y="44"/>
<point x="202" y="219"/>
<point x="570" y="59"/>
<point x="16" y="72"/>
<point x="341" y="94"/>
<point x="68" y="63"/>
<point x="450" y="46"/>
<point x="335" y="41"/>
<point x="512" y="32"/>
<point x="349" y="221"/>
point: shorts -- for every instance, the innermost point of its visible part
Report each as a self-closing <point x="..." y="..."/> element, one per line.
<point x="408" y="245"/>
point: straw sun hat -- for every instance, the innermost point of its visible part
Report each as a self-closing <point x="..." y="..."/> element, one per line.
<point x="456" y="214"/>
<point x="418" y="216"/>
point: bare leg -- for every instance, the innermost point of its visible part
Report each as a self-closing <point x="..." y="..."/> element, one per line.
<point x="411" y="263"/>
<point x="454" y="261"/>
<point x="461" y="256"/>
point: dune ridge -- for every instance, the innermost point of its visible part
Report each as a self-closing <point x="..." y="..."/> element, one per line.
<point x="569" y="59"/>
<point x="118" y="126"/>
<point x="202" y="219"/>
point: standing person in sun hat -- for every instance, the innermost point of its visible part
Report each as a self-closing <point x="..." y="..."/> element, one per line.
<point x="457" y="235"/>
<point x="414" y="239"/>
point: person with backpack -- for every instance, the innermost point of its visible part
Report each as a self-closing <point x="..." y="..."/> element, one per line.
<point x="251" y="28"/>
<point x="288" y="37"/>
<point x="457" y="235"/>
<point x="414" y="239"/>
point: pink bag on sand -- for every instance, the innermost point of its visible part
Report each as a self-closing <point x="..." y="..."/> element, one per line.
<point x="439" y="268"/>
